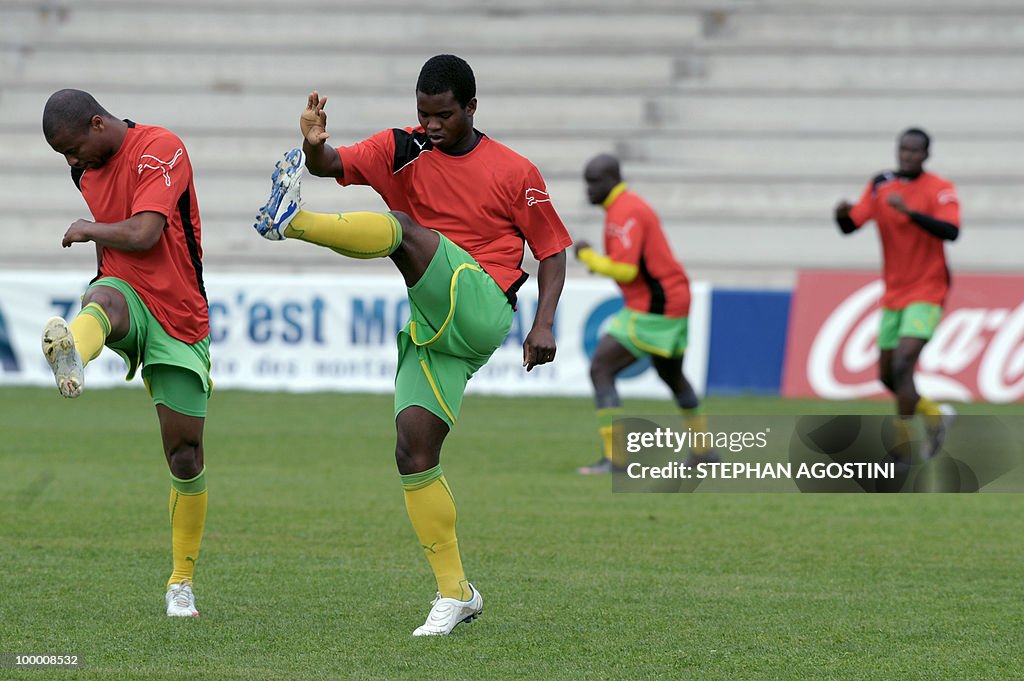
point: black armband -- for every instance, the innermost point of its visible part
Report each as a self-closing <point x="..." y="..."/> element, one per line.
<point x="939" y="228"/>
<point x="846" y="224"/>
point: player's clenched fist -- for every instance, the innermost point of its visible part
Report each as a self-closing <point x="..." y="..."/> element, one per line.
<point x="313" y="121"/>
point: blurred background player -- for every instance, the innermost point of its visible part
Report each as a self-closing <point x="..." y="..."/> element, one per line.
<point x="916" y="213"/>
<point x="484" y="200"/>
<point x="653" y="321"/>
<point x="147" y="302"/>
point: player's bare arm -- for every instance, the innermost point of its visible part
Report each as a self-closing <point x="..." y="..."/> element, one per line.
<point x="322" y="159"/>
<point x="140" y="232"/>
<point x="539" y="346"/>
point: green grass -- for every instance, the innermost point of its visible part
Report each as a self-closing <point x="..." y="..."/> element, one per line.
<point x="310" y="569"/>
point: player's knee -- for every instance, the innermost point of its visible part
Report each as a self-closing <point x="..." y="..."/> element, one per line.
<point x="109" y="299"/>
<point x="413" y="460"/>
<point x="902" y="369"/>
<point x="885" y="376"/>
<point x="407" y="223"/>
<point x="184" y="461"/>
<point x="671" y="378"/>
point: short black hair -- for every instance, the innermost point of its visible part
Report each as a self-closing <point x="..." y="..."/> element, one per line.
<point x="920" y="133"/>
<point x="70" y="110"/>
<point x="447" y="72"/>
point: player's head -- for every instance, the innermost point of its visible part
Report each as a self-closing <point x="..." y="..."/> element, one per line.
<point x="446" y="100"/>
<point x="76" y="126"/>
<point x="601" y="175"/>
<point x="912" y="151"/>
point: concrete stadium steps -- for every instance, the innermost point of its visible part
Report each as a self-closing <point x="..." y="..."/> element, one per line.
<point x="410" y="7"/>
<point x="742" y="122"/>
<point x="823" y="112"/>
<point x="297" y="27"/>
<point x="342" y="72"/>
<point x="963" y="26"/>
<point x="280" y="110"/>
<point x="731" y="66"/>
<point x="959" y="157"/>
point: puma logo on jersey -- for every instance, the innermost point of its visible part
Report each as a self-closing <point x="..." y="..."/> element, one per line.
<point x="150" y="162"/>
<point x="947" y="196"/>
<point x="621" y="232"/>
<point x="535" y="196"/>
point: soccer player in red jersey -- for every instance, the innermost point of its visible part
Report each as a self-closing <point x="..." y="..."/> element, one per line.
<point x="147" y="302"/>
<point x="462" y="206"/>
<point x="916" y="213"/>
<point x="654" y="321"/>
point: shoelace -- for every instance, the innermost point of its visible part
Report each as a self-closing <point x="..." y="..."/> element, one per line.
<point x="182" y="594"/>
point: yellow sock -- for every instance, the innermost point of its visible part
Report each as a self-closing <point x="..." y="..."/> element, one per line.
<point x="357" y="235"/>
<point x="930" y="411"/>
<point x="90" y="330"/>
<point x="900" y="446"/>
<point x="605" y="418"/>
<point x="698" y="423"/>
<point x="188" y="517"/>
<point x="432" y="512"/>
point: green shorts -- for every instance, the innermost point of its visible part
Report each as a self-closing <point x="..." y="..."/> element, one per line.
<point x="458" y="317"/>
<point x="176" y="374"/>
<point x="917" y="320"/>
<point x="650" y="334"/>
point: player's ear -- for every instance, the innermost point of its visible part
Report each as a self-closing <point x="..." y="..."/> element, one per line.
<point x="471" y="107"/>
<point x="97" y="123"/>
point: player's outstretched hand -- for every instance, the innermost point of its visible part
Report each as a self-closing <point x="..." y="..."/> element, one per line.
<point x="313" y="121"/>
<point x="538" y="348"/>
<point x="843" y="208"/>
<point x="77" y="233"/>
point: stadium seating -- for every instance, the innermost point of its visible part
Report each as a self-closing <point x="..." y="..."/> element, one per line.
<point x="743" y="121"/>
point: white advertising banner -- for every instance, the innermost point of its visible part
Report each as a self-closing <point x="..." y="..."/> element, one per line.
<point x="309" y="332"/>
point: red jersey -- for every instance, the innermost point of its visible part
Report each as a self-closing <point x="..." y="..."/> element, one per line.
<point x="913" y="260"/>
<point x="151" y="172"/>
<point x="633" y="234"/>
<point x="488" y="200"/>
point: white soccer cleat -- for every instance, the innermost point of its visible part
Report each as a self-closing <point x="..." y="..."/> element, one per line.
<point x="61" y="354"/>
<point x="285" y="200"/>
<point x="181" y="600"/>
<point x="934" y="437"/>
<point x="446" y="613"/>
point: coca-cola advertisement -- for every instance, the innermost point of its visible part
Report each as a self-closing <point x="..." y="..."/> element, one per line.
<point x="976" y="354"/>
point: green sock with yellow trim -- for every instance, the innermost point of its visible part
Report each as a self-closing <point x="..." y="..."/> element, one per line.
<point x="431" y="509"/>
<point x="90" y="330"/>
<point x="187" y="510"/>
<point x="356" y="235"/>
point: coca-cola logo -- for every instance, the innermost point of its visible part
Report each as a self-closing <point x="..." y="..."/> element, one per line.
<point x="975" y="353"/>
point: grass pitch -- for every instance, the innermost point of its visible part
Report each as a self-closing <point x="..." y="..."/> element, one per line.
<point x="310" y="569"/>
